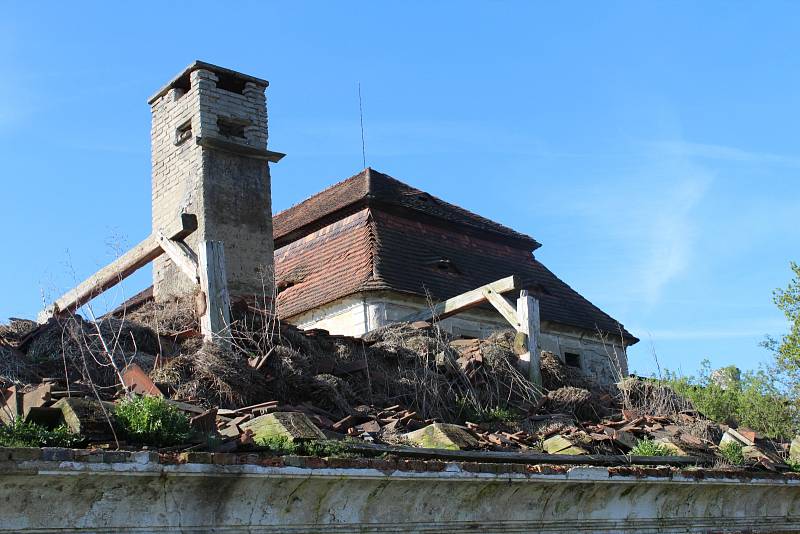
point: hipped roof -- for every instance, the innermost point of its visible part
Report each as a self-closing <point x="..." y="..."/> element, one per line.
<point x="374" y="233"/>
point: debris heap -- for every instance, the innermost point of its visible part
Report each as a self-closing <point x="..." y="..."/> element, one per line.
<point x="401" y="385"/>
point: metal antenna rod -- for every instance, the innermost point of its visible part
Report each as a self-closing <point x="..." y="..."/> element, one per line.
<point x="361" y="118"/>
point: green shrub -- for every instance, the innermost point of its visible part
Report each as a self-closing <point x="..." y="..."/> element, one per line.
<point x="648" y="447"/>
<point x="757" y="400"/>
<point x="22" y="434"/>
<point x="152" y="421"/>
<point x="732" y="452"/>
<point x="502" y="415"/>
<point x="468" y="412"/>
<point x="281" y="445"/>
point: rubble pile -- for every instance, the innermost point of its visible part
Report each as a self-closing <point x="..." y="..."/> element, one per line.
<point x="402" y="385"/>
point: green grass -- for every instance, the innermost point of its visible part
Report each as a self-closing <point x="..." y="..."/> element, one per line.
<point x="152" y="421"/>
<point x="647" y="447"/>
<point x="22" y="434"/>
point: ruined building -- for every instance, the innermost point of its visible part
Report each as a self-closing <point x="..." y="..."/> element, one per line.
<point x="371" y="250"/>
<point x="365" y="252"/>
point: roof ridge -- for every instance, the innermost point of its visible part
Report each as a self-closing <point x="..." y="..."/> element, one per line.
<point x="371" y="185"/>
<point x="317" y="194"/>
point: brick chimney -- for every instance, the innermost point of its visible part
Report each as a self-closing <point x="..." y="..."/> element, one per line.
<point x="210" y="159"/>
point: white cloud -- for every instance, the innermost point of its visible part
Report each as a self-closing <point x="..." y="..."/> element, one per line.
<point x="748" y="331"/>
<point x="721" y="152"/>
<point x="669" y="230"/>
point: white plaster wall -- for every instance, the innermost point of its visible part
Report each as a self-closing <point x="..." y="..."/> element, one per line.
<point x="605" y="361"/>
<point x="346" y="317"/>
<point x="41" y="496"/>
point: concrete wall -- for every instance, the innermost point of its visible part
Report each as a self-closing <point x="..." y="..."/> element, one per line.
<point x="358" y="314"/>
<point x="137" y="494"/>
<point x="229" y="193"/>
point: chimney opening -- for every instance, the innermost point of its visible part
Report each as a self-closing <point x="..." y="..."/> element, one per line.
<point x="231" y="128"/>
<point x="229" y="83"/>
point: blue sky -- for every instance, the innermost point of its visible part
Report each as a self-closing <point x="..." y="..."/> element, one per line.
<point x="651" y="147"/>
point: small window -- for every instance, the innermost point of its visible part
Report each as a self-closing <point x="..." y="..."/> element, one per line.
<point x="572" y="359"/>
<point x="183" y="132"/>
<point x="445" y="265"/>
<point x="230" y="128"/>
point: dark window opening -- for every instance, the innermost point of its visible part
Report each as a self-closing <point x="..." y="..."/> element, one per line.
<point x="183" y="132"/>
<point x="230" y="128"/>
<point x="283" y="285"/>
<point x="230" y="83"/>
<point x="572" y="359"/>
<point x="446" y="265"/>
<point x="183" y="84"/>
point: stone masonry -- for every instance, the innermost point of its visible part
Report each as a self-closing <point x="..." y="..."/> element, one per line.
<point x="209" y="158"/>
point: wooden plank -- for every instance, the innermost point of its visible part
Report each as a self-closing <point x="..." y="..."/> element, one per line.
<point x="465" y="301"/>
<point x="180" y="254"/>
<point x="118" y="270"/>
<point x="528" y="317"/>
<point x="502" y="305"/>
<point x="214" y="285"/>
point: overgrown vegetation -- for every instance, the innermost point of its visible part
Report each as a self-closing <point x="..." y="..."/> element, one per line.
<point x="22" y="434"/>
<point x="732" y="452"/>
<point x="281" y="445"/>
<point x="152" y="421"/>
<point x="766" y="400"/>
<point x="756" y="400"/>
<point x="648" y="447"/>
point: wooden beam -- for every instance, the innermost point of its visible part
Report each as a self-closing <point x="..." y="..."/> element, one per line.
<point x="465" y="301"/>
<point x="118" y="270"/>
<point x="214" y="285"/>
<point x="181" y="255"/>
<point x="502" y="305"/>
<point x="528" y="317"/>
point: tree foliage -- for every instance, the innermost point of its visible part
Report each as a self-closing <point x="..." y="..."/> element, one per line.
<point x="787" y="348"/>
<point x="767" y="400"/>
<point x="758" y="400"/>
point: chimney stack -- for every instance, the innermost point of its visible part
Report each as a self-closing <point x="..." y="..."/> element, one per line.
<point x="210" y="159"/>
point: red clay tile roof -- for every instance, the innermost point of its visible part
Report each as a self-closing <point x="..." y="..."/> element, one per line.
<point x="375" y="250"/>
<point x="322" y="267"/>
<point x="373" y="188"/>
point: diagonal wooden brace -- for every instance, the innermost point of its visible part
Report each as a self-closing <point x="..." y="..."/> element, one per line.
<point x="119" y="269"/>
<point x="465" y="301"/>
<point x="180" y="254"/>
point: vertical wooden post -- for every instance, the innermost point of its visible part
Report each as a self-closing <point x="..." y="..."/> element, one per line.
<point x="528" y="317"/>
<point x="214" y="285"/>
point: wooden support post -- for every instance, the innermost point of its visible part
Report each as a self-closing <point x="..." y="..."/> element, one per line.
<point x="528" y="317"/>
<point x="118" y="270"/>
<point x="465" y="301"/>
<point x="214" y="285"/>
